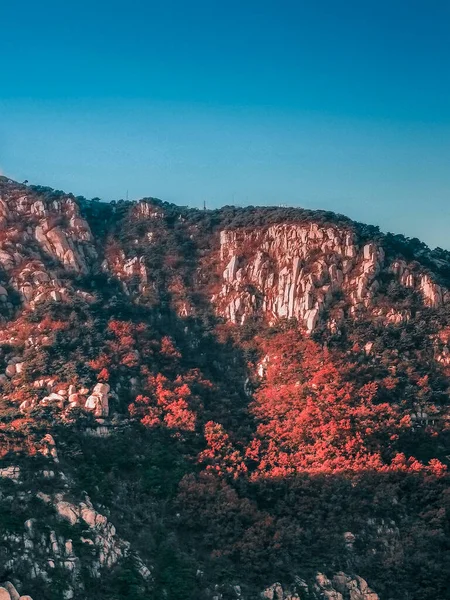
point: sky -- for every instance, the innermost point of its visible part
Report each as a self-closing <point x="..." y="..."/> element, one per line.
<point x="343" y="106"/>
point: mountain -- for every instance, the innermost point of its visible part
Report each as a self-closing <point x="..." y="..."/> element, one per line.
<point x="228" y="404"/>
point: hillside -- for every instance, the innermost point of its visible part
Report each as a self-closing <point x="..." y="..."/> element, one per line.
<point x="219" y="405"/>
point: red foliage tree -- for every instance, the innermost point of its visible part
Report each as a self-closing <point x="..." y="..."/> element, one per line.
<point x="220" y="456"/>
<point x="311" y="418"/>
<point x="166" y="403"/>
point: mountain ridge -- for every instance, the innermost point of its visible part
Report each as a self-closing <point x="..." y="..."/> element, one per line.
<point x="162" y="365"/>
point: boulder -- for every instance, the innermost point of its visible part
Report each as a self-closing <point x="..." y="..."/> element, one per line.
<point x="10" y="370"/>
<point x="13" y="593"/>
<point x="67" y="511"/>
<point x="340" y="582"/>
<point x="274" y="592"/>
<point x="11" y="472"/>
<point x="75" y="399"/>
<point x="53" y="397"/>
<point x="101" y="388"/>
<point x="98" y="401"/>
<point x="30" y="527"/>
<point x="362" y="583"/>
<point x="94" y="403"/>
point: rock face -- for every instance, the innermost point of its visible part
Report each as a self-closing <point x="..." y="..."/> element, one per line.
<point x="38" y="235"/>
<point x="340" y="587"/>
<point x="290" y="270"/>
<point x="9" y="592"/>
<point x="39" y="552"/>
<point x="127" y="270"/>
<point x="433" y="294"/>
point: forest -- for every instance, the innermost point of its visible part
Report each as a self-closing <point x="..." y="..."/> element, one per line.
<point x="236" y="455"/>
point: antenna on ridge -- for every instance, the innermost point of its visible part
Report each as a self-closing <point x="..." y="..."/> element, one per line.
<point x="127" y="195"/>
<point x="204" y="204"/>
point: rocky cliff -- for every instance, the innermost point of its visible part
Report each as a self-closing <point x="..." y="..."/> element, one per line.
<point x="297" y="271"/>
<point x="287" y="270"/>
<point x="127" y="329"/>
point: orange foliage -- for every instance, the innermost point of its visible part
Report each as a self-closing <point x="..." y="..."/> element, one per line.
<point x="311" y="418"/>
<point x="127" y="346"/>
<point x="220" y="457"/>
<point x="168" y="349"/>
<point x="166" y="403"/>
<point x="103" y="375"/>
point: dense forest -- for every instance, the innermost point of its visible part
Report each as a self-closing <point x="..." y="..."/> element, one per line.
<point x="234" y="454"/>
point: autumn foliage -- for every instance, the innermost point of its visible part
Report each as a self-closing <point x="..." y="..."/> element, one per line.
<point x="312" y="418"/>
<point x="166" y="403"/>
<point x="326" y="452"/>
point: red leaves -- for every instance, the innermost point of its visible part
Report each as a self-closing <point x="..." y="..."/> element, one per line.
<point x="100" y="363"/>
<point x="168" y="349"/>
<point x="220" y="457"/>
<point x="167" y="403"/>
<point x="103" y="375"/>
<point x="178" y="416"/>
<point x="311" y="418"/>
<point x="126" y="346"/>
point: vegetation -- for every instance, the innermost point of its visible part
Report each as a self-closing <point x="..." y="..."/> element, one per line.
<point x="333" y="458"/>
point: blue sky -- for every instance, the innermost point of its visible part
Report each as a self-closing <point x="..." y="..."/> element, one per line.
<point x="324" y="104"/>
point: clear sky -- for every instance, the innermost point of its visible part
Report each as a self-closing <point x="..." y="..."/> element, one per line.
<point x="341" y="105"/>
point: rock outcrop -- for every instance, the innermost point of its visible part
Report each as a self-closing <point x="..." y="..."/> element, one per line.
<point x="299" y="271"/>
<point x="280" y="271"/>
<point x="339" y="587"/>
<point x="9" y="592"/>
<point x="40" y="553"/>
<point x="38" y="236"/>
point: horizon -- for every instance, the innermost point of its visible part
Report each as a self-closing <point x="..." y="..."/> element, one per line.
<point x="338" y="108"/>
<point x="238" y="206"/>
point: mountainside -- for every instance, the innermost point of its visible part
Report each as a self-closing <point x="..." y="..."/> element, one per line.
<point x="227" y="404"/>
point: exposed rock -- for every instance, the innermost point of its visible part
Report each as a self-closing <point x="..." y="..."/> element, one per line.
<point x="13" y="593"/>
<point x="67" y="511"/>
<point x="353" y="588"/>
<point x="308" y="271"/>
<point x="10" y="370"/>
<point x="98" y="401"/>
<point x="291" y="270"/>
<point x="341" y="587"/>
<point x="274" y="592"/>
<point x="11" y="472"/>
